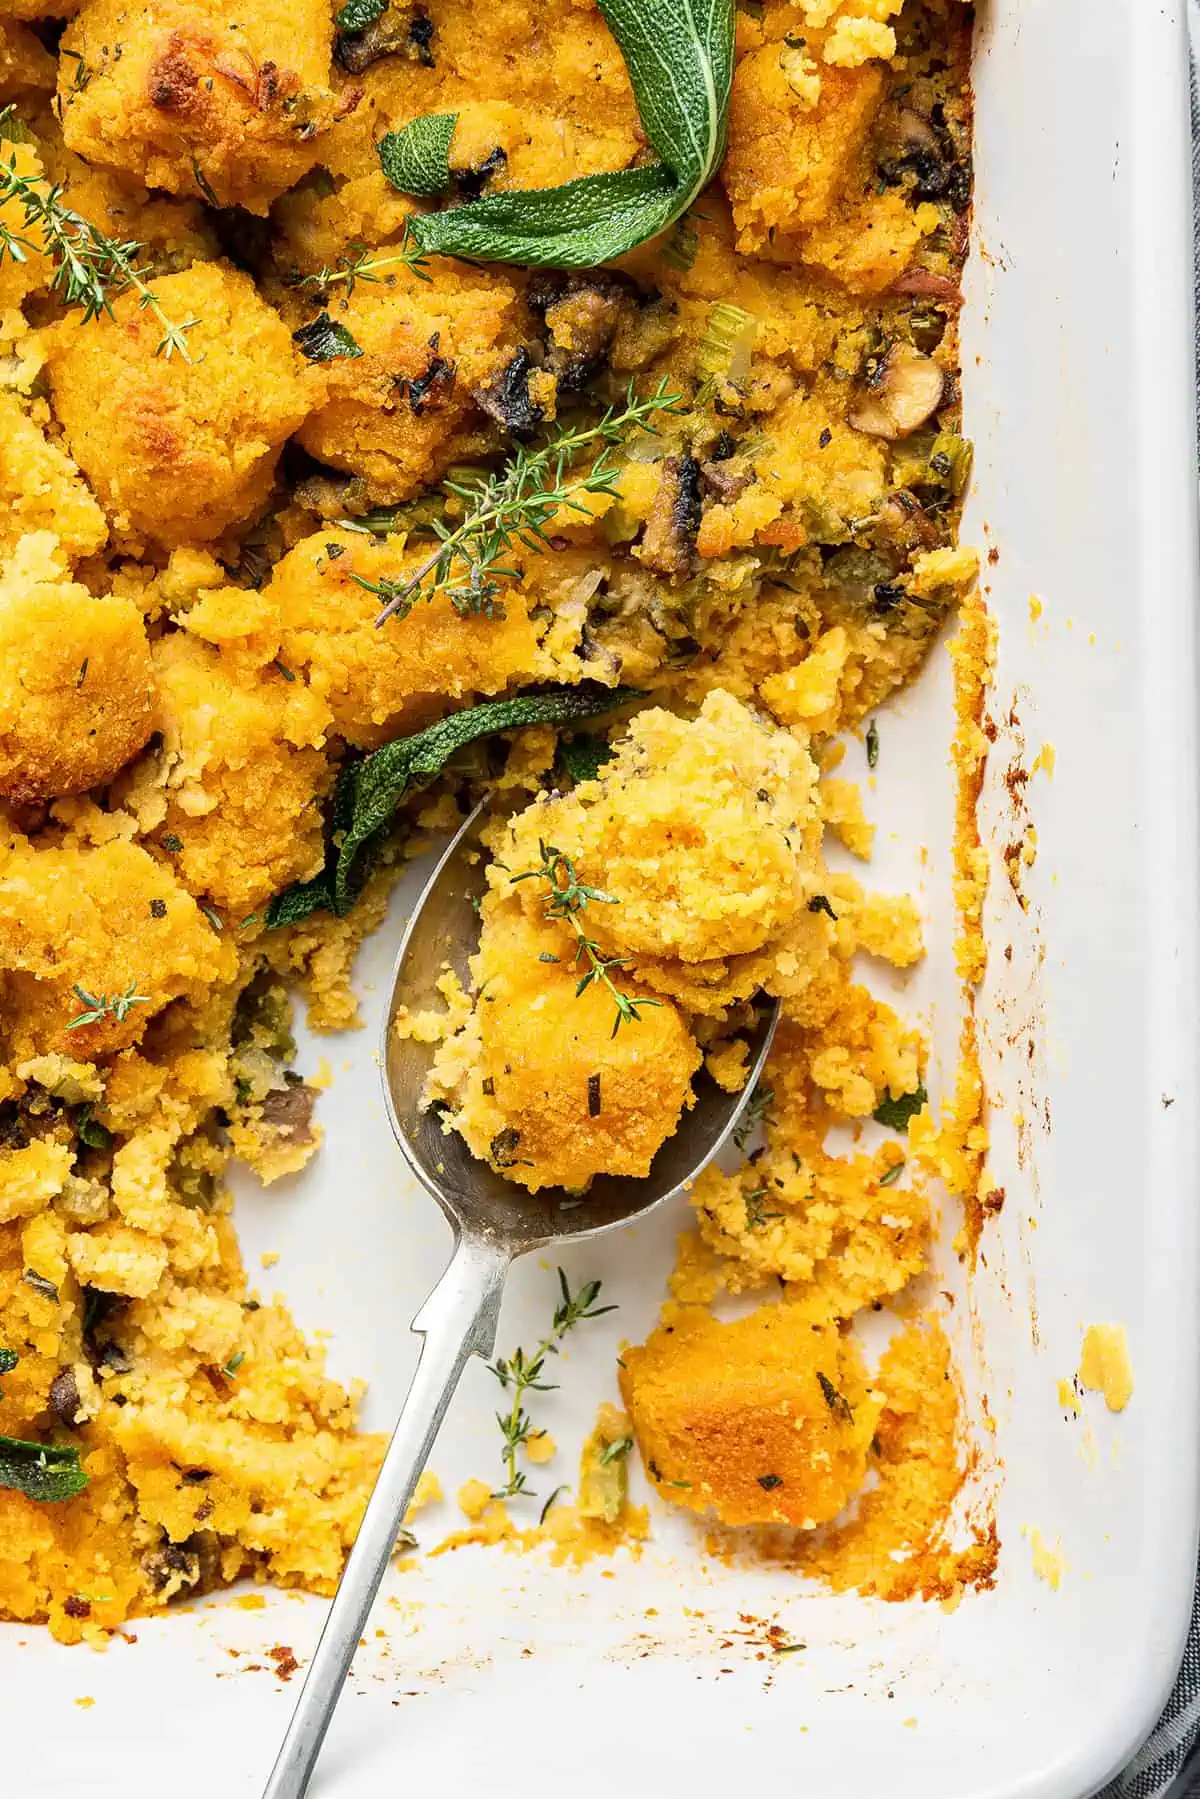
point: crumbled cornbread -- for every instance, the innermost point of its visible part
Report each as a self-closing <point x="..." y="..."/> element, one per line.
<point x="216" y="469"/>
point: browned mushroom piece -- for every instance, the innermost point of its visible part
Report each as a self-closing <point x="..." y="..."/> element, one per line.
<point x="902" y="392"/>
<point x="64" y="1396"/>
<point x="289" y="1110"/>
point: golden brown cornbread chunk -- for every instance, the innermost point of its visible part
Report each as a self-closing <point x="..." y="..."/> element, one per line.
<point x="199" y="97"/>
<point x="76" y="686"/>
<point x="540" y="1086"/>
<point x="767" y="1420"/>
<point x="179" y="450"/>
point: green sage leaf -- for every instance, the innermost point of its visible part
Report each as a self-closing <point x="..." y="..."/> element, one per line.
<point x="369" y="790"/>
<point x="8" y="1360"/>
<point x="42" y="1471"/>
<point x="679" y="54"/>
<point x="416" y="159"/>
<point x="895" y="1113"/>
<point x="356" y="15"/>
<point x="576" y="226"/>
<point x="583" y="757"/>
<point x="324" y="339"/>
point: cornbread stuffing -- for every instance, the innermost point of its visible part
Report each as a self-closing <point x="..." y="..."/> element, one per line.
<point x="313" y="533"/>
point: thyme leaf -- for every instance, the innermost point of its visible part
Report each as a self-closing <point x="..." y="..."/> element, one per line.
<point x="567" y="898"/>
<point x="89" y="268"/>
<point x="521" y="1374"/>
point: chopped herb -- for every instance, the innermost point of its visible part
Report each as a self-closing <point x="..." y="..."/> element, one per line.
<point x="756" y="1215"/>
<point x="584" y="756"/>
<point x="213" y="917"/>
<point x="44" y="1472"/>
<point x="838" y="1405"/>
<point x="41" y="1471"/>
<point x="503" y="1147"/>
<point x="567" y="898"/>
<point x="523" y="1374"/>
<point x="369" y="790"/>
<point x="487" y="1086"/>
<point x="81" y="677"/>
<point x="283" y="669"/>
<point x="171" y="843"/>
<point x="593" y="1093"/>
<point x="679" y="57"/>
<point x="545" y="956"/>
<point x="769" y="1482"/>
<point x="787" y="1648"/>
<point x="819" y="903"/>
<point x="892" y="1176"/>
<point x="89" y="269"/>
<point x="545" y="1511"/>
<point x="404" y="1540"/>
<point x="158" y="908"/>
<point x="895" y="1113"/>
<point x="324" y="340"/>
<point x="41" y="1285"/>
<point x="753" y="1116"/>
<point x="100" y="1006"/>
<point x="604" y="1477"/>
<point x="91" y="1133"/>
<point x="205" y="186"/>
<point x="234" y="1363"/>
<point x="872" y="745"/>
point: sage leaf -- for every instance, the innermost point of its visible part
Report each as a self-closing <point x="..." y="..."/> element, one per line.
<point x="369" y="790"/>
<point x="679" y="54"/>
<point x="42" y="1471"/>
<point x="895" y="1113"/>
<point x="324" y="340"/>
<point x="416" y="159"/>
<point x="8" y="1360"/>
<point x="583" y="757"/>
<point x="356" y="15"/>
<point x="576" y="226"/>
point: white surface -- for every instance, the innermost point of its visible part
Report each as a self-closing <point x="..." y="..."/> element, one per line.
<point x="1081" y="409"/>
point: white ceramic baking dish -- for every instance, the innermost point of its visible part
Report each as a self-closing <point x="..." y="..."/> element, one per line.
<point x="496" y="1674"/>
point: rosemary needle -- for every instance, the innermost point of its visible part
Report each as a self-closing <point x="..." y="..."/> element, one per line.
<point x="90" y="268"/>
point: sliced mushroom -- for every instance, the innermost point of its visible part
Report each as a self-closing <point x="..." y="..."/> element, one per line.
<point x="289" y="1110"/>
<point x="669" y="542"/>
<point x="508" y="400"/>
<point x="904" y="391"/>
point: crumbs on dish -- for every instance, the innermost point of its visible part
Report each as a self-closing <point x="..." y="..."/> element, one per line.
<point x="342" y="483"/>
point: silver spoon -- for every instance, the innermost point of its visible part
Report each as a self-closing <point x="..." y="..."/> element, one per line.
<point x="493" y="1223"/>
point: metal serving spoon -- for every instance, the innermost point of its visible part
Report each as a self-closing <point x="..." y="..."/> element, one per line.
<point x="493" y="1222"/>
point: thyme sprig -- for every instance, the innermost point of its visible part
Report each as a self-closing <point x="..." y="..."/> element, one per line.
<point x="514" y="505"/>
<point x="521" y="1374"/>
<point x="90" y="268"/>
<point x="361" y="264"/>
<point x="102" y="1005"/>
<point x="567" y="898"/>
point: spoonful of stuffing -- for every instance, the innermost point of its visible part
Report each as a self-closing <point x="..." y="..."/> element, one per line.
<point x="577" y="1021"/>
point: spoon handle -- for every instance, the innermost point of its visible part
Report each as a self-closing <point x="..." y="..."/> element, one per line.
<point x="458" y="1320"/>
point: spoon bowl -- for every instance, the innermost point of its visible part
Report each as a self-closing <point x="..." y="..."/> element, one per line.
<point x="494" y="1221"/>
<point x="444" y="933"/>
